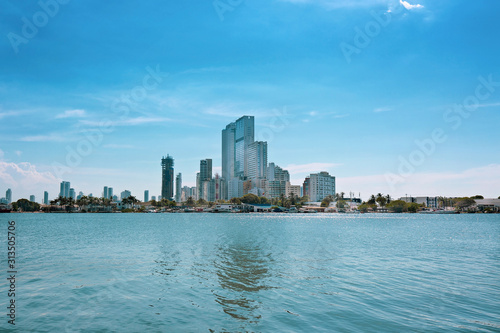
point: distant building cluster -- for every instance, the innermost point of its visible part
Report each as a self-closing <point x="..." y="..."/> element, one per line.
<point x="245" y="170"/>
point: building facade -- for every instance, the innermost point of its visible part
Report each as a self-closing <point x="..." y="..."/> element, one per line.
<point x="146" y="196"/>
<point x="167" y="181"/>
<point x="178" y="187"/>
<point x="236" y="138"/>
<point x="64" y="189"/>
<point x="321" y="185"/>
<point x="8" y="196"/>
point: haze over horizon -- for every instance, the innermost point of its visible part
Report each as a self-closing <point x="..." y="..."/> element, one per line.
<point x="398" y="97"/>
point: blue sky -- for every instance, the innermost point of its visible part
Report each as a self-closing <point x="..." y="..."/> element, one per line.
<point x="331" y="88"/>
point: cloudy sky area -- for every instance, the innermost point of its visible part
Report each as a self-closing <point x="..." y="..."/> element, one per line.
<point x="398" y="97"/>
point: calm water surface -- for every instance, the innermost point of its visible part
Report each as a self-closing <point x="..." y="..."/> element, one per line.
<point x="255" y="273"/>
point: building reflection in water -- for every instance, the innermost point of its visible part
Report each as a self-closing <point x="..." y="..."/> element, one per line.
<point x="243" y="270"/>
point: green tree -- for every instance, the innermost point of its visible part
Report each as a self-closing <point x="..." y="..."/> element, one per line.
<point x="397" y="206"/>
<point x="477" y="197"/>
<point x="235" y="201"/>
<point x="25" y="205"/>
<point x="381" y="200"/>
<point x="250" y="199"/>
<point x="201" y="202"/>
<point x="190" y="202"/>
<point x="372" y="200"/>
<point x="304" y="199"/>
<point x="363" y="208"/>
<point x="341" y="204"/>
<point x="327" y="200"/>
<point x="463" y="203"/>
<point x="264" y="201"/>
<point x="413" y="207"/>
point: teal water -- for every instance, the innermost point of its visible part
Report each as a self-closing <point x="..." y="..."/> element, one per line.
<point x="255" y="273"/>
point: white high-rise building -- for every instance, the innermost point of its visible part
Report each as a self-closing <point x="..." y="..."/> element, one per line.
<point x="277" y="180"/>
<point x="321" y="185"/>
<point x="178" y="187"/>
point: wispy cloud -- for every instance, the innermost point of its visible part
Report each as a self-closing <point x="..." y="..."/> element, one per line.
<point x="382" y="109"/>
<point x="9" y="114"/>
<point x="44" y="138"/>
<point x="71" y="114"/>
<point x="408" y="6"/>
<point x="128" y="122"/>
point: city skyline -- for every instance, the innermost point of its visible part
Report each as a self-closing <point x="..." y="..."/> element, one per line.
<point x="387" y="96"/>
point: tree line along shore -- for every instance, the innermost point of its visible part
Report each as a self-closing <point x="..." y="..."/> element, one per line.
<point x="337" y="203"/>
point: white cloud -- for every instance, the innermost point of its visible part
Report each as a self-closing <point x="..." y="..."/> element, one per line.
<point x="382" y="109"/>
<point x="44" y="138"/>
<point x="128" y="122"/>
<point x="24" y="176"/>
<point x="410" y="7"/>
<point x="18" y="152"/>
<point x="9" y="113"/>
<point x="71" y="114"/>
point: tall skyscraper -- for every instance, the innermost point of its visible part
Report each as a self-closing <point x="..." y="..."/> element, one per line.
<point x="206" y="169"/>
<point x="105" y="194"/>
<point x="257" y="160"/>
<point x="203" y="180"/>
<point x="32" y="198"/>
<point x="64" y="191"/>
<point x="45" y="198"/>
<point x="243" y="137"/>
<point x="167" y="183"/>
<point x="72" y="193"/>
<point x="8" y="195"/>
<point x="146" y="196"/>
<point x="178" y="187"/>
<point x="236" y="138"/>
<point x="228" y="151"/>
<point x="110" y="193"/>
